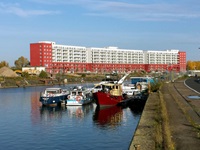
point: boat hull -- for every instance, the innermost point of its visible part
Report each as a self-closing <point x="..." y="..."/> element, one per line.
<point x="106" y="100"/>
<point x="47" y="100"/>
<point x="74" y="102"/>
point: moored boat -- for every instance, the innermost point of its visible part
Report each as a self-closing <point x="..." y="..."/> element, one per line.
<point x="99" y="86"/>
<point x="53" y="96"/>
<point x="144" y="82"/>
<point x="138" y="84"/>
<point x="110" y="95"/>
<point x="79" y="96"/>
<point x="128" y="89"/>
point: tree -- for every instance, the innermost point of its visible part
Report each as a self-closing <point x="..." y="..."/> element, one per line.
<point x="43" y="74"/>
<point x="3" y="63"/>
<point x="193" y="65"/>
<point x="25" y="74"/>
<point x="21" y="62"/>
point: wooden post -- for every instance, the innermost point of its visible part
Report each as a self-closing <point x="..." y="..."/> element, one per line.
<point x="137" y="146"/>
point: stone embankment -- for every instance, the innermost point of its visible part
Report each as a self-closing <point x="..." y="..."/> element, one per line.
<point x="170" y="120"/>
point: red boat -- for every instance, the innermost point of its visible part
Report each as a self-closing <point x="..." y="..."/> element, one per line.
<point x="107" y="80"/>
<point x="110" y="95"/>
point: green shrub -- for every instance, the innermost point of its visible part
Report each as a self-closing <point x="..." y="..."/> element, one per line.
<point x="25" y="74"/>
<point x="155" y="86"/>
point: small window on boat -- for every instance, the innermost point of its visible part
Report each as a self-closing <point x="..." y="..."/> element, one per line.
<point x="51" y="92"/>
<point x="98" y="87"/>
<point x="80" y="93"/>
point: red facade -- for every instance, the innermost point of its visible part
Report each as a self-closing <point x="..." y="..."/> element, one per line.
<point x="41" y="55"/>
<point x="182" y="61"/>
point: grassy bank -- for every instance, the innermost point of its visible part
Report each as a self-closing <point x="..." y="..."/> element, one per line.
<point x="28" y="80"/>
<point x="37" y="81"/>
<point x="163" y="133"/>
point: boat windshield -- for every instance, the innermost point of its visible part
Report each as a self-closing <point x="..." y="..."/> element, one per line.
<point x="52" y="92"/>
<point x="135" y="80"/>
<point x="106" y="87"/>
<point x="98" y="87"/>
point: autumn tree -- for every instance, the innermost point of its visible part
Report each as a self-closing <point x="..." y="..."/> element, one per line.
<point x="21" y="62"/>
<point x="193" y="65"/>
<point x="3" y="63"/>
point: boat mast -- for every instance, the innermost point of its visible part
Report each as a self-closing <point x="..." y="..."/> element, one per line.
<point x="123" y="78"/>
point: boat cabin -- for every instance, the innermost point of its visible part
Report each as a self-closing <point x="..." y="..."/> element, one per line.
<point x="53" y="91"/>
<point x="75" y="93"/>
<point x="135" y="80"/>
<point x="113" y="89"/>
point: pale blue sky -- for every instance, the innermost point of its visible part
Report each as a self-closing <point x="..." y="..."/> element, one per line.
<point x="127" y="24"/>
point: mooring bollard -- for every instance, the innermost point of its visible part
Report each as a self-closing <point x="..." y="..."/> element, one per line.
<point x="137" y="146"/>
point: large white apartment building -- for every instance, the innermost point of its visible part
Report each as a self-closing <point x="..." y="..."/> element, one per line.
<point x="162" y="57"/>
<point x="54" y="56"/>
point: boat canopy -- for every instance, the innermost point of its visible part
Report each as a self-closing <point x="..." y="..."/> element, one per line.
<point x="135" y="80"/>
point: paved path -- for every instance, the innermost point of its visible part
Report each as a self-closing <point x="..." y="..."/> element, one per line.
<point x="183" y="115"/>
<point x="183" y="119"/>
<point x="194" y="84"/>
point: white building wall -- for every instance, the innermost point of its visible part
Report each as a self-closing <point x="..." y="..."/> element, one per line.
<point x="162" y="57"/>
<point x="115" y="55"/>
<point x="66" y="53"/>
<point x="33" y="70"/>
<point x="111" y="55"/>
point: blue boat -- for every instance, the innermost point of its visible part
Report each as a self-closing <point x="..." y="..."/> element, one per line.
<point x="135" y="80"/>
<point x="53" y="96"/>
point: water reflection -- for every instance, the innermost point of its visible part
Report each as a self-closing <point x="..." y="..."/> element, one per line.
<point x="56" y="112"/>
<point x="79" y="112"/>
<point x="51" y="113"/>
<point x="137" y="109"/>
<point x="111" y="116"/>
<point x="35" y="107"/>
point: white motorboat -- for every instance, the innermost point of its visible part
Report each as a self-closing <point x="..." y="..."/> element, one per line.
<point x="79" y="96"/>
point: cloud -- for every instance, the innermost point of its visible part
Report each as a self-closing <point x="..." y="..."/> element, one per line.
<point x="136" y="11"/>
<point x="17" y="10"/>
<point x="155" y="10"/>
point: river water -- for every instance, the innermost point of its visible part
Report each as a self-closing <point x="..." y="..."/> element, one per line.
<point x="26" y="124"/>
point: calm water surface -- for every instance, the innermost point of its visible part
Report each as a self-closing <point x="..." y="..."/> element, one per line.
<point x="25" y="124"/>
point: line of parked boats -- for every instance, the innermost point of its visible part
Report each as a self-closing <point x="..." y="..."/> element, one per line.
<point x="109" y="92"/>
